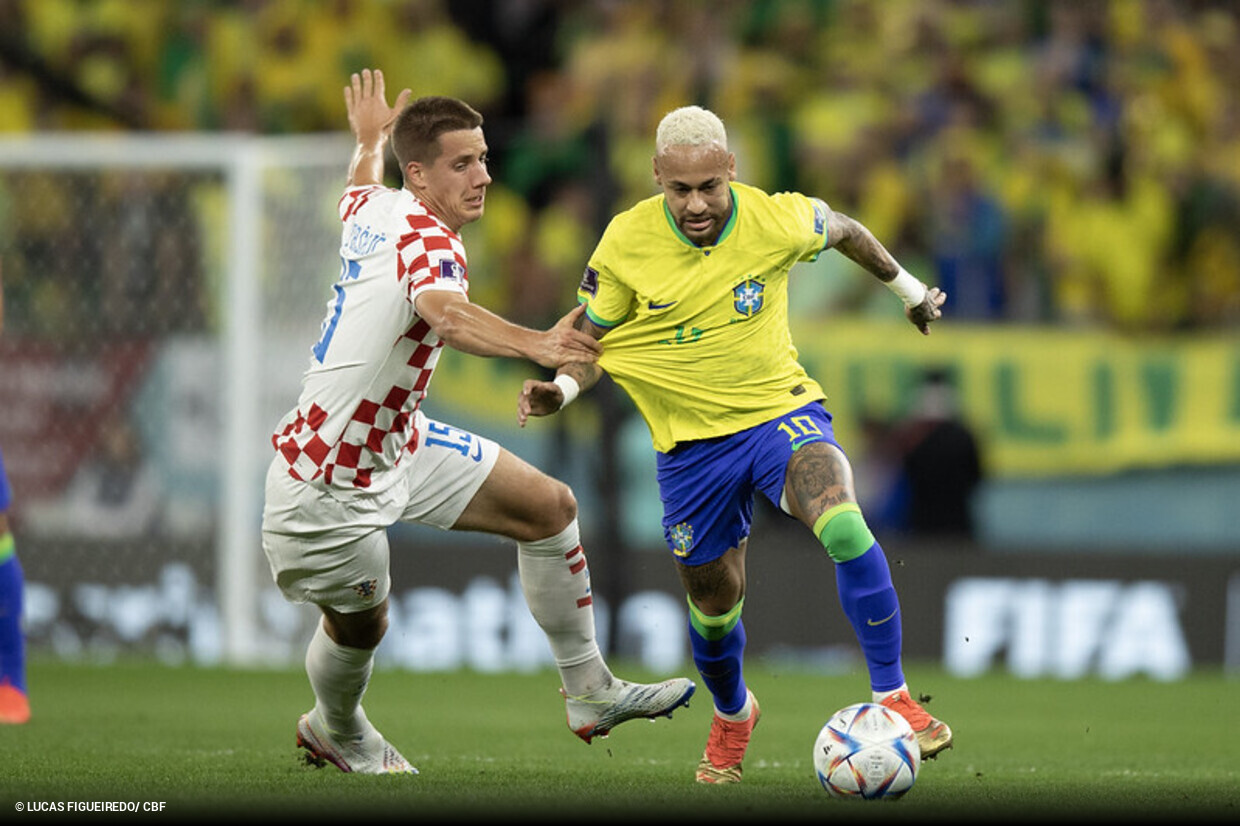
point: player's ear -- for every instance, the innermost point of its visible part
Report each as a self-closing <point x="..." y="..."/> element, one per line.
<point x="415" y="175"/>
<point x="731" y="166"/>
<point x="658" y="179"/>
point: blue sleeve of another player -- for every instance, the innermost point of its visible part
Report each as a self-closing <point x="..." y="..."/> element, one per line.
<point x="6" y="492"/>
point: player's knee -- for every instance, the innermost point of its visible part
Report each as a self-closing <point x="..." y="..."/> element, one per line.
<point x="566" y="502"/>
<point x="364" y="629"/>
<point x="717" y="587"/>
<point x="843" y="532"/>
<point x="558" y="508"/>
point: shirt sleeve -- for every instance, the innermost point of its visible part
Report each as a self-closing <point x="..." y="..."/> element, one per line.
<point x="354" y="198"/>
<point x="431" y="259"/>
<point x="820" y="228"/>
<point x="608" y="300"/>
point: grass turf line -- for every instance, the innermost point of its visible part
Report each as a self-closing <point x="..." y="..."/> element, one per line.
<point x="214" y="742"/>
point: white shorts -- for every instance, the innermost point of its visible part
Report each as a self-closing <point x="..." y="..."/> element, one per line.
<point x="330" y="547"/>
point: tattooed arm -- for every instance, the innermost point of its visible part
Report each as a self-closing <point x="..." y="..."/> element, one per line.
<point x="542" y="398"/>
<point x="922" y="305"/>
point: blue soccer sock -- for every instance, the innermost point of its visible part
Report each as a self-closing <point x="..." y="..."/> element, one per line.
<point x="869" y="600"/>
<point x="718" y="645"/>
<point x="12" y="640"/>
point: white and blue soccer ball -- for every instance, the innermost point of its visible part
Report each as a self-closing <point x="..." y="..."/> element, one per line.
<point x="867" y="751"/>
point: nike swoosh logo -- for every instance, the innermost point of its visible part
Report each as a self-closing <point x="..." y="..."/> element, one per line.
<point x="881" y="621"/>
<point x="654" y="306"/>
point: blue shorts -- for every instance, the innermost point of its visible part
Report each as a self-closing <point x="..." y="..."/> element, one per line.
<point x="6" y="492"/>
<point x="708" y="486"/>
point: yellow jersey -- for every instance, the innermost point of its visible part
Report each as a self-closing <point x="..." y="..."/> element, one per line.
<point x="698" y="336"/>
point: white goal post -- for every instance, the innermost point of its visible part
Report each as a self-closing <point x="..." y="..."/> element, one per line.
<point x="252" y="169"/>
<point x="107" y="239"/>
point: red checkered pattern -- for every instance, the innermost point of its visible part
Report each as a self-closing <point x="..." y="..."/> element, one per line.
<point x="355" y="418"/>
<point x="355" y="199"/>
<point x="576" y="564"/>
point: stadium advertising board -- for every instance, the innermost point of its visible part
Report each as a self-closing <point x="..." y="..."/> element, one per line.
<point x="1064" y="616"/>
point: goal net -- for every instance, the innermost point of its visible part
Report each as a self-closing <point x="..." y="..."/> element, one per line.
<point x="159" y="294"/>
<point x="161" y="297"/>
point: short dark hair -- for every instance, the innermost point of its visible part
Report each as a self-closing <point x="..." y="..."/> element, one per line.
<point x="415" y="136"/>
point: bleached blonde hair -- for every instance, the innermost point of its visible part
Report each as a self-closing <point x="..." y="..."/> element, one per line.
<point x="690" y="126"/>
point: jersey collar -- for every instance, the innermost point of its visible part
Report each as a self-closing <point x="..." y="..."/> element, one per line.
<point x="724" y="233"/>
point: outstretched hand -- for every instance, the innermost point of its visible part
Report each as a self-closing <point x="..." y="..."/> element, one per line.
<point x="569" y="345"/>
<point x="565" y="344"/>
<point x="370" y="117"/>
<point x="930" y="309"/>
<point x="538" y="398"/>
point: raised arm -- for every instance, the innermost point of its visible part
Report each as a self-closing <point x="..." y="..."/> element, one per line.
<point x="371" y="120"/>
<point x="922" y="304"/>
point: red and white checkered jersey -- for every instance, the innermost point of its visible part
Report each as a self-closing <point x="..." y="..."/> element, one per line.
<point x="372" y="364"/>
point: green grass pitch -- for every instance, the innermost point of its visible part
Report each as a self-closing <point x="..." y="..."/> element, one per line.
<point x="216" y="743"/>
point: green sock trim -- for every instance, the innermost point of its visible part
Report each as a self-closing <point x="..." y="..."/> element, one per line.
<point x="8" y="546"/>
<point x="714" y="628"/>
<point x="843" y="532"/>
<point x="831" y="514"/>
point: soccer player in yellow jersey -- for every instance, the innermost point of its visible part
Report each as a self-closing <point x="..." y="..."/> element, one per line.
<point x="688" y="291"/>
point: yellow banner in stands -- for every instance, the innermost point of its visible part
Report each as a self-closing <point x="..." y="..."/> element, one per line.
<point x="1044" y="400"/>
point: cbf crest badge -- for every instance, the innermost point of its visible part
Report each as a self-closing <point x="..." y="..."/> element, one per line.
<point x="748" y="297"/>
<point x="681" y="536"/>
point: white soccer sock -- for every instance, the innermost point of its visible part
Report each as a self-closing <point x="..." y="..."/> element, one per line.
<point x="556" y="583"/>
<point x="339" y="676"/>
<point x="742" y="713"/>
<point x="879" y="696"/>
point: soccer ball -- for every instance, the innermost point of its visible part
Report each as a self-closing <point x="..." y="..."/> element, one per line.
<point x="867" y="751"/>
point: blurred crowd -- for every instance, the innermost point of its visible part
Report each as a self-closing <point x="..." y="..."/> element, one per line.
<point x="1058" y="162"/>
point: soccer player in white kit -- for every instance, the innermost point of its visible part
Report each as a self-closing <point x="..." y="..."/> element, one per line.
<point x="357" y="453"/>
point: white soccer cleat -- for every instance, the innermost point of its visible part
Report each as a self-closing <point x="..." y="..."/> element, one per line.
<point x="367" y="753"/>
<point x="595" y="715"/>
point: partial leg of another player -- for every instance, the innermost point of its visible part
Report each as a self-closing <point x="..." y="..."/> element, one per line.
<point x="14" y="702"/>
<point x="540" y="513"/>
<point x="717" y="637"/>
<point x="337" y="730"/>
<point x="867" y="595"/>
<point x="352" y="597"/>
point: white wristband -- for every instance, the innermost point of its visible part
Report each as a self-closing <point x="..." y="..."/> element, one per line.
<point x="571" y="388"/>
<point x="909" y="287"/>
